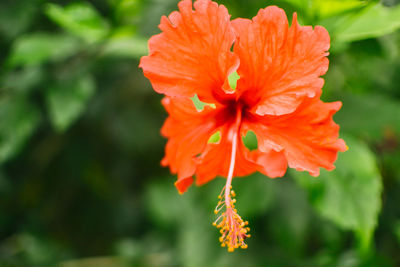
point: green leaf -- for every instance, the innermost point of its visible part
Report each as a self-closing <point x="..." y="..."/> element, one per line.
<point x="37" y="48"/>
<point x="19" y="120"/>
<point x="128" y="12"/>
<point x="165" y="204"/>
<point x="233" y="78"/>
<point x="250" y="140"/>
<point x="67" y="100"/>
<point x="214" y="138"/>
<point x="291" y="217"/>
<point x="80" y="19"/>
<point x="321" y="9"/>
<point x="372" y="22"/>
<point x="17" y="16"/>
<point x="369" y="116"/>
<point x="200" y="104"/>
<point x="125" y="43"/>
<point x="350" y="195"/>
<point x="106" y="261"/>
<point x="21" y="81"/>
<point x="328" y="8"/>
<point x="301" y="4"/>
<point x="255" y="194"/>
<point x="195" y="238"/>
<point x="129" y="249"/>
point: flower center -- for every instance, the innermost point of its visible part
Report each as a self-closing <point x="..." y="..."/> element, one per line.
<point x="234" y="112"/>
<point x="232" y="227"/>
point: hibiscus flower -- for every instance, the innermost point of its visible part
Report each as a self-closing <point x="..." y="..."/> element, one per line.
<point x="277" y="97"/>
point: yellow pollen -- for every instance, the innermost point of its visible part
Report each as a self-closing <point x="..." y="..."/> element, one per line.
<point x="231" y="226"/>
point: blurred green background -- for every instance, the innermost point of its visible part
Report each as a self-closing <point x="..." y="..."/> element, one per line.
<point x="80" y="179"/>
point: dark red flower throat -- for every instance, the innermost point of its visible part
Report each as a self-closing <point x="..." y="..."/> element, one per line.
<point x="234" y="111"/>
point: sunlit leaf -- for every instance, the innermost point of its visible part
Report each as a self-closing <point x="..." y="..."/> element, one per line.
<point x="128" y="11"/>
<point x="200" y="104"/>
<point x="372" y="22"/>
<point x="215" y="137"/>
<point x="37" y="48"/>
<point x="327" y="8"/>
<point x="125" y="43"/>
<point x="321" y="9"/>
<point x="233" y="78"/>
<point x="81" y="19"/>
<point x="67" y="100"/>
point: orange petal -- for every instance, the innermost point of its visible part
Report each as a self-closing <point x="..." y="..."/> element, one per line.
<point x="183" y="184"/>
<point x="308" y="137"/>
<point x="215" y="160"/>
<point x="192" y="54"/>
<point x="187" y="131"/>
<point x="272" y="163"/>
<point x="279" y="66"/>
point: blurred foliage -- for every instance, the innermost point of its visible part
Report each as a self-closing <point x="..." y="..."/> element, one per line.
<point x="349" y="196"/>
<point x="80" y="179"/>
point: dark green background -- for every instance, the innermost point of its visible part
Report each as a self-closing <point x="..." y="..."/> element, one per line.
<point x="80" y="179"/>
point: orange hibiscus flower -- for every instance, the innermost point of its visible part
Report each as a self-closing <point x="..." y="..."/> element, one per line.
<point x="277" y="97"/>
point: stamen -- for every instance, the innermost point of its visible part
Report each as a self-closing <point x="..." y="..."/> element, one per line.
<point x="232" y="227"/>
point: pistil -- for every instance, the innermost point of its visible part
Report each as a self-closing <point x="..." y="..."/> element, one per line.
<point x="233" y="229"/>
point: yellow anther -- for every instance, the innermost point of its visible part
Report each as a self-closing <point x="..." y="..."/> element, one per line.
<point x="231" y="226"/>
